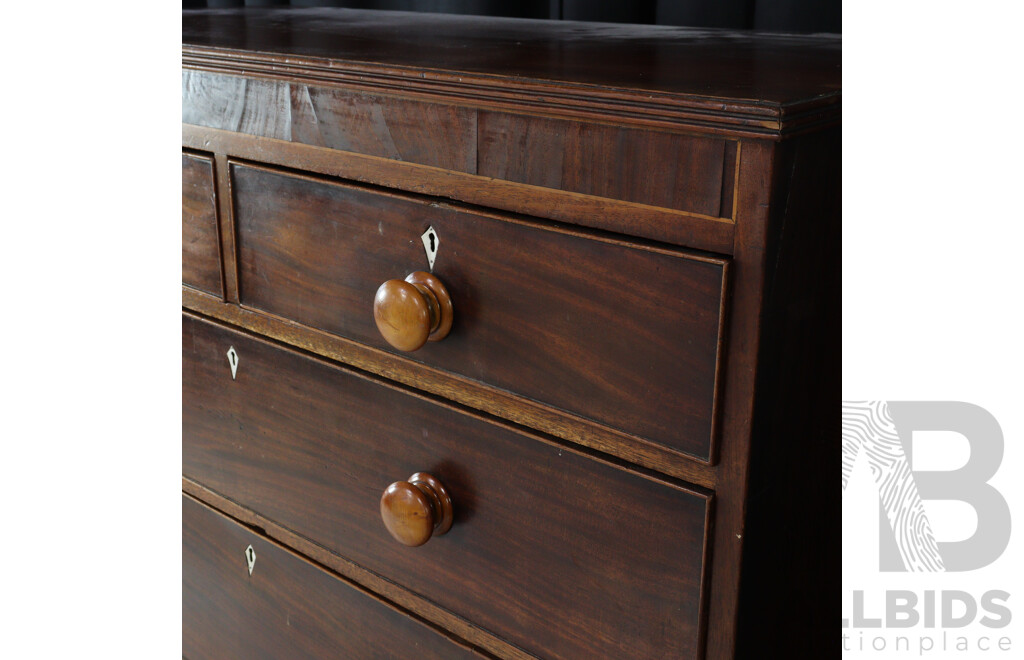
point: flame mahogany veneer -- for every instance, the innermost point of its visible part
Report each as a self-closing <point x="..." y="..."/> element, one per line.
<point x="618" y="431"/>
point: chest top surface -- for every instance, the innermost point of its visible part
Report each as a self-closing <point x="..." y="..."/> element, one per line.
<point x="770" y="75"/>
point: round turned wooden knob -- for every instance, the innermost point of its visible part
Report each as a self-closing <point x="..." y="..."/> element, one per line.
<point x="412" y="311"/>
<point x="416" y="509"/>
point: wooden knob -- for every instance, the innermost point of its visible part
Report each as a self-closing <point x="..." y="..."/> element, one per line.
<point x="412" y="311"/>
<point x="416" y="509"/>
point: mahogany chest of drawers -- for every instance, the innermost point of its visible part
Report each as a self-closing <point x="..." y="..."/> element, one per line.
<point x="506" y="338"/>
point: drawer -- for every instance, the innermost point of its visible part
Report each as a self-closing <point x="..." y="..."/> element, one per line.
<point x="622" y="334"/>
<point x="688" y="173"/>
<point x="432" y="134"/>
<point x="287" y="607"/>
<point x="200" y="245"/>
<point x="554" y="551"/>
<point x="674" y="171"/>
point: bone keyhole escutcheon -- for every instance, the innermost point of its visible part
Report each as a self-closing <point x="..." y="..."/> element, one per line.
<point x="233" y="361"/>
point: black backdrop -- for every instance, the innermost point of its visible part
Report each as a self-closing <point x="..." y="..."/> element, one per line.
<point x="774" y="15"/>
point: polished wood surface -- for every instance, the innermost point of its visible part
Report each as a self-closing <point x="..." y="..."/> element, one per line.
<point x="430" y="134"/>
<point x="648" y="167"/>
<point x="640" y="236"/>
<point x="312" y="446"/>
<point x="416" y="509"/>
<point x="382" y="588"/>
<point x="412" y="311"/>
<point x="200" y="242"/>
<point x="653" y="168"/>
<point x="586" y="324"/>
<point x="655" y="223"/>
<point x="755" y="200"/>
<point x="458" y="389"/>
<point x="288" y="607"/>
<point x="771" y="68"/>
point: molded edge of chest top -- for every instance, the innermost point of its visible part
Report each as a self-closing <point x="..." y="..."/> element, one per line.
<point x="745" y="82"/>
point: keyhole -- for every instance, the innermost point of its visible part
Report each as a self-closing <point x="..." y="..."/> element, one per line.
<point x="431" y="242"/>
<point x="233" y="361"/>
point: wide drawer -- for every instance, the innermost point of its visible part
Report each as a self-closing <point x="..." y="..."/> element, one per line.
<point x="556" y="552"/>
<point x="623" y="334"/>
<point x="200" y="246"/>
<point x="688" y="173"/>
<point x="287" y="607"/>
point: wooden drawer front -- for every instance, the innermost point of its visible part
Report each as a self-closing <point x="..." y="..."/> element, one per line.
<point x="399" y="129"/>
<point x="623" y="335"/>
<point x="649" y="167"/>
<point x="287" y="608"/>
<point x="200" y="247"/>
<point x="555" y="552"/>
<point x="654" y="168"/>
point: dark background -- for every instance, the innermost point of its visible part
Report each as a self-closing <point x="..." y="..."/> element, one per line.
<point x="773" y="15"/>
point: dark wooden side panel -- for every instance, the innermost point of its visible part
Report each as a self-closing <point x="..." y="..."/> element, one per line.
<point x="200" y="243"/>
<point x="424" y="133"/>
<point x="792" y="544"/>
<point x="558" y="553"/>
<point x="756" y="160"/>
<point x="650" y="167"/>
<point x="287" y="608"/>
<point x="622" y="335"/>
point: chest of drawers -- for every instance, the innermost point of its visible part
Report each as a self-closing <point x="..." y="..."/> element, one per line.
<point x="506" y="338"/>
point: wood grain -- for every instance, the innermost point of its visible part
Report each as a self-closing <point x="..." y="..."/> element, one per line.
<point x="753" y="204"/>
<point x="227" y="227"/>
<point x="614" y="445"/>
<point x="289" y="454"/>
<point x="414" y="510"/>
<point x="649" y="167"/>
<point x="659" y="224"/>
<point x="288" y="607"/>
<point x="555" y="533"/>
<point x="408" y="312"/>
<point x="200" y="242"/>
<point x="425" y="133"/>
<point x="401" y="597"/>
<point x="626" y="336"/>
<point x="717" y="80"/>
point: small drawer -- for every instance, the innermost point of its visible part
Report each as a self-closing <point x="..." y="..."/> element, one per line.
<point x="200" y="245"/>
<point x="653" y="168"/>
<point x="556" y="552"/>
<point x="619" y="333"/>
<point x="285" y="607"/>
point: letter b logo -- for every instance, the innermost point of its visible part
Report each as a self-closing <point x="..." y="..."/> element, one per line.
<point x="883" y="431"/>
